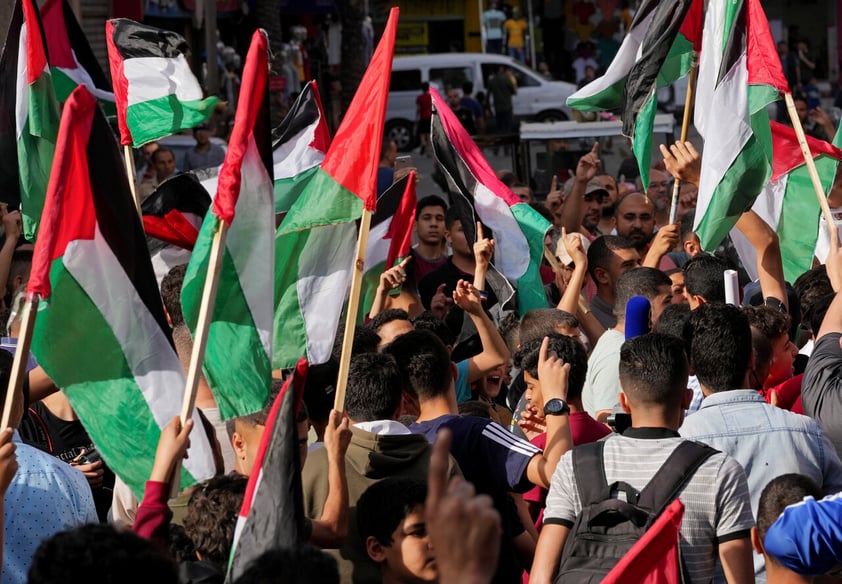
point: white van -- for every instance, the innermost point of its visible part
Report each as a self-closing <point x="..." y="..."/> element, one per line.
<point x="537" y="99"/>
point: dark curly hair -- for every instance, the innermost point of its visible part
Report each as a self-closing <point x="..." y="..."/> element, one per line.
<point x="100" y="553"/>
<point x="212" y="517"/>
<point x="171" y="293"/>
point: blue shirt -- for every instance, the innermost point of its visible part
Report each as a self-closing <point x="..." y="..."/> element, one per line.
<point x="45" y="496"/>
<point x="767" y="441"/>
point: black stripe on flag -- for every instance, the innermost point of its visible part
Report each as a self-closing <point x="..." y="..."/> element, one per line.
<point x="276" y="514"/>
<point x="9" y="173"/>
<point x="183" y="192"/>
<point x="82" y="49"/>
<point x="389" y="201"/>
<point x="117" y="216"/>
<point x="460" y="180"/>
<point x="304" y="113"/>
<point x="133" y="39"/>
<point x="656" y="45"/>
<point x="735" y="45"/>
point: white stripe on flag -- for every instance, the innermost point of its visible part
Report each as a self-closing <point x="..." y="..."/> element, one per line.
<point x="145" y="77"/>
<point x="378" y="248"/>
<point x="709" y="63"/>
<point x="768" y="206"/>
<point x="511" y="249"/>
<point x="251" y="243"/>
<point x="729" y="135"/>
<point x="296" y="155"/>
<point x="324" y="278"/>
<point x="152" y="360"/>
<point x="21" y="87"/>
<point x="81" y="76"/>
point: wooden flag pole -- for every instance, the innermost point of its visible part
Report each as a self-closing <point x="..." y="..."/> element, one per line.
<point x="685" y="128"/>
<point x="811" y="164"/>
<point x="30" y="310"/>
<point x="130" y="170"/>
<point x="351" y="316"/>
<point x="200" y="338"/>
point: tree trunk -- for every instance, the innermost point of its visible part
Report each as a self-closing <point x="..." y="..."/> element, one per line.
<point x="353" y="58"/>
<point x="6" y="9"/>
<point x="268" y="15"/>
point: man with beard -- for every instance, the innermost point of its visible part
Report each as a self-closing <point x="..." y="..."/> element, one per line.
<point x="592" y="201"/>
<point x="636" y="222"/>
<point x="583" y="196"/>
<point x="660" y="194"/>
<point x="609" y="203"/>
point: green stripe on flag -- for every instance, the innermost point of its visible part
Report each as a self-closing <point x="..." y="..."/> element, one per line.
<point x="287" y="190"/>
<point x="65" y="84"/>
<point x="607" y="99"/>
<point x="96" y="372"/>
<point x="156" y="118"/>
<point x="290" y="332"/>
<point x="36" y="147"/>
<point x="324" y="202"/>
<point x="530" y="287"/>
<point x="243" y="389"/>
<point x="745" y="178"/>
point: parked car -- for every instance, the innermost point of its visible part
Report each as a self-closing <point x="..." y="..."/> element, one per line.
<point x="537" y="99"/>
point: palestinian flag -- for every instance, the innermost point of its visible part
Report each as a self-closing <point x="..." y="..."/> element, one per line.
<point x="72" y="61"/>
<point x="390" y="239"/>
<point x="788" y="203"/>
<point x="739" y="75"/>
<point x="241" y="326"/>
<point x="156" y="92"/>
<point x="101" y="333"/>
<point x="175" y="210"/>
<point x="666" y="54"/>
<point x="272" y="515"/>
<point x="315" y="243"/>
<point x="299" y="145"/>
<point x="30" y="117"/>
<point x="480" y="196"/>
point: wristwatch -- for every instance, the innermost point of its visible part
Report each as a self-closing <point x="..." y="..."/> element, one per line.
<point x="556" y="407"/>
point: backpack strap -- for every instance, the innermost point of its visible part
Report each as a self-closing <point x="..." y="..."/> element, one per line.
<point x="679" y="468"/>
<point x="589" y="472"/>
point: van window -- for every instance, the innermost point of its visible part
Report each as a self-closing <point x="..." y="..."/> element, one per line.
<point x="406" y="80"/>
<point x="524" y="78"/>
<point x="450" y="77"/>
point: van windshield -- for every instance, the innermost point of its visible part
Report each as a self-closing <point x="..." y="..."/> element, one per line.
<point x="445" y="77"/>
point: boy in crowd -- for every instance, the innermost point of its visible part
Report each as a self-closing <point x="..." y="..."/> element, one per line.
<point x="392" y="525"/>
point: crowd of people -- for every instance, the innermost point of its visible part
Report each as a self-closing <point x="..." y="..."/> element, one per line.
<point x="482" y="445"/>
<point x="477" y="444"/>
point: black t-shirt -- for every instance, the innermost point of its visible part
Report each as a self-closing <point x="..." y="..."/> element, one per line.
<point x="65" y="440"/>
<point x="449" y="275"/>
<point x="466" y="118"/>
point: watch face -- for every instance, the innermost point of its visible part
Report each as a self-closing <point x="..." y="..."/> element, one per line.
<point x="555" y="407"/>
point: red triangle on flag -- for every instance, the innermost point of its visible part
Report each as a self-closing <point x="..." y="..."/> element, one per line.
<point x="786" y="151"/>
<point x="355" y="152"/>
<point x="400" y="229"/>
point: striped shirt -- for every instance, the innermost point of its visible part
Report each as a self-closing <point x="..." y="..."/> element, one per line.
<point x="717" y="507"/>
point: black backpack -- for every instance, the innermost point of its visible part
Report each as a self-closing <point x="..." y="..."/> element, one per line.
<point x="607" y="527"/>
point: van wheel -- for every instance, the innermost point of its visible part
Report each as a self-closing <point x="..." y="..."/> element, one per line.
<point x="402" y="132"/>
<point x="551" y="116"/>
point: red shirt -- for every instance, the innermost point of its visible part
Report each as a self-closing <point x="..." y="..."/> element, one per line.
<point x="584" y="429"/>
<point x="425" y="106"/>
<point x="788" y="394"/>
